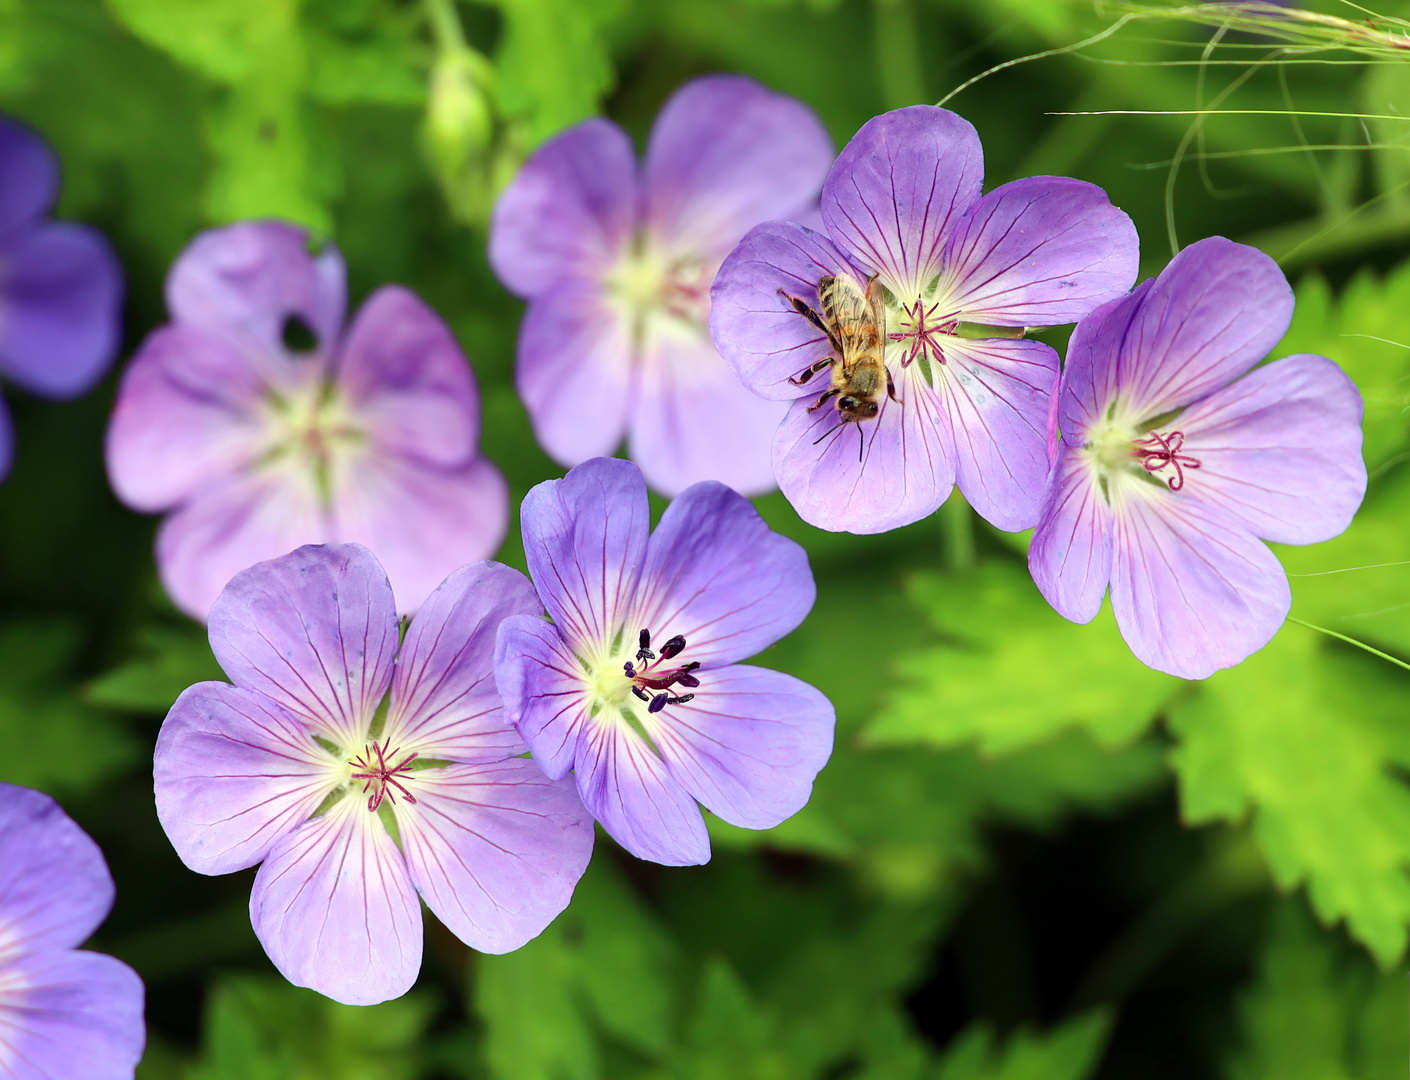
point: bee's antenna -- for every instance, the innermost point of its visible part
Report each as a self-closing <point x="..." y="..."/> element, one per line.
<point x="861" y="443"/>
<point x="829" y="431"/>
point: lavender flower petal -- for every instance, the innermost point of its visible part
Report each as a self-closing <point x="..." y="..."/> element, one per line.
<point x="749" y="745"/>
<point x="574" y="372"/>
<point x="422" y="522"/>
<point x="721" y="578"/>
<point x="251" y="276"/>
<point x="541" y="683"/>
<point x="629" y="789"/>
<point x="408" y="382"/>
<point x="996" y="394"/>
<point x="75" y="1016"/>
<point x="569" y="212"/>
<point x="54" y="884"/>
<point x="726" y="153"/>
<point x="60" y="308"/>
<point x="896" y="189"/>
<point x="334" y="908"/>
<point x="233" y="774"/>
<point x="585" y="541"/>
<point x="185" y="411"/>
<point x="444" y="701"/>
<point x="1192" y="591"/>
<point x="760" y="335"/>
<point x="495" y="849"/>
<point x="1280" y="450"/>
<point x="1070" y="555"/>
<point x="316" y="630"/>
<point x="1038" y="252"/>
<point x="1092" y="368"/>
<point x="230" y="525"/>
<point x="29" y="175"/>
<point x="694" y="421"/>
<point x="868" y="477"/>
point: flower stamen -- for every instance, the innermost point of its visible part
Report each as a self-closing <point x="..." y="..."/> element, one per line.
<point x="382" y="775"/>
<point x="926" y="327"/>
<point x="1166" y="451"/>
<point x="651" y="675"/>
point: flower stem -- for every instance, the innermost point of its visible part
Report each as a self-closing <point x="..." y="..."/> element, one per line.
<point x="958" y="521"/>
<point x="1350" y="641"/>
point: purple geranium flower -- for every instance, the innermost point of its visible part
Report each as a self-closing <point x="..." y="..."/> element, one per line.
<point x="65" y="1014"/>
<point x="354" y="807"/>
<point x="616" y="265"/>
<point x="634" y="684"/>
<point x="964" y="398"/>
<point x="256" y="447"/>
<point x="1174" y="462"/>
<point x="60" y="284"/>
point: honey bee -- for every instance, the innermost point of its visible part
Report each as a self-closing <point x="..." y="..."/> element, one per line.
<point x="854" y="320"/>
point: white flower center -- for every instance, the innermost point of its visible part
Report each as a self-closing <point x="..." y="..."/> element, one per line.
<point x="310" y="428"/>
<point x="650" y="282"/>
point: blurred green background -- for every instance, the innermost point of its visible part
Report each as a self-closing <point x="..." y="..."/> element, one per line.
<point x="1030" y="857"/>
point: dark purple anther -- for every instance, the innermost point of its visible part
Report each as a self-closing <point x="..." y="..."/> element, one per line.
<point x="639" y="692"/>
<point x="644" y="651"/>
<point x="687" y="680"/>
<point x="672" y="647"/>
<point x="680" y="700"/>
<point x="658" y="703"/>
<point x="629" y="670"/>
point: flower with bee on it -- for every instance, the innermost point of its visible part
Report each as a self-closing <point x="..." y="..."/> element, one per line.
<point x="616" y="261"/>
<point x="967" y="397"/>
<point x="635" y="687"/>
<point x="1176" y="461"/>
<point x="366" y="772"/>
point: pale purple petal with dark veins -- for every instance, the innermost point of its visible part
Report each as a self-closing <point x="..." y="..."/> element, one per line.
<point x="761" y="336"/>
<point x="545" y="696"/>
<point x="1038" y="252"/>
<point x="333" y="906"/>
<point x="569" y="212"/>
<point x="407" y="382"/>
<point x="896" y="189"/>
<point x="60" y="308"/>
<point x="186" y="412"/>
<point x="316" y="630"/>
<point x="230" y="525"/>
<point x="251" y="276"/>
<point x="872" y="476"/>
<point x="749" y="745"/>
<point x="29" y="175"/>
<point x="76" y="1016"/>
<point x="1092" y="366"/>
<point x="996" y="394"/>
<point x="495" y="849"/>
<point x="629" y="789"/>
<point x="1280" y="450"/>
<point x="1193" y="590"/>
<point x="585" y="542"/>
<point x="233" y="773"/>
<point x="693" y="420"/>
<point x="574" y="372"/>
<point x="54" y="885"/>
<point x="444" y="703"/>
<point x="1070" y="554"/>
<point x="422" y="521"/>
<point x="725" y="154"/>
<point x="718" y="576"/>
<point x="1215" y="310"/>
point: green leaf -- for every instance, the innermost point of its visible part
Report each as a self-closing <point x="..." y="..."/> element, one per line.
<point x="259" y="1028"/>
<point x="730" y="1036"/>
<point x="1070" y="1051"/>
<point x="1013" y="672"/>
<point x="168" y="660"/>
<point x="1303" y="738"/>
<point x="64" y="744"/>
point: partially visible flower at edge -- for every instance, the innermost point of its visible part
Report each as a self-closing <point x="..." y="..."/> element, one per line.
<point x="1175" y="459"/>
<point x="60" y="284"/>
<point x="616" y="264"/>
<point x="634" y="685"/>
<point x="65" y="1013"/>
<point x="963" y="275"/>
<point x="255" y="447"/>
<point x="353" y="809"/>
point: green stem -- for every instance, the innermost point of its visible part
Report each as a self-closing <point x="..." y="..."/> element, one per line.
<point x="1350" y="641"/>
<point x="958" y="521"/>
<point x="445" y="25"/>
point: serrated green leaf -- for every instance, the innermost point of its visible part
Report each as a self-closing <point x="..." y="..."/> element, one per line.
<point x="1013" y="672"/>
<point x="1070" y="1051"/>
<point x="1297" y="735"/>
<point x="168" y="660"/>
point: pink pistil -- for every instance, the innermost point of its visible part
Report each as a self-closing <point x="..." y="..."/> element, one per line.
<point x="1166" y="452"/>
<point x="926" y="330"/>
<point x="382" y="775"/>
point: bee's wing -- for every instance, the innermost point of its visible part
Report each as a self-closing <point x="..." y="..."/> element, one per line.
<point x="854" y="314"/>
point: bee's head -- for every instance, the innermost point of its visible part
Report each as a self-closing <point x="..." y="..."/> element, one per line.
<point x="853" y="408"/>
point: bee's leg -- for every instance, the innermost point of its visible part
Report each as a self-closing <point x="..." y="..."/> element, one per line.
<point x="827" y="396"/>
<point x="808" y="372"/>
<point x="805" y="309"/>
<point x="891" y="387"/>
